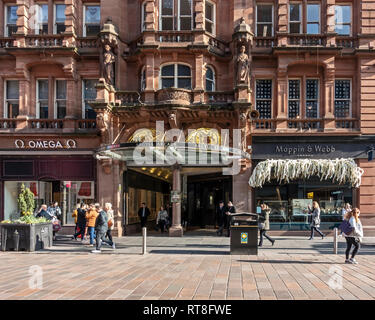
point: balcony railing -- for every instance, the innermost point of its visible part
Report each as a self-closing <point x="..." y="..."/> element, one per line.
<point x="174" y="36"/>
<point x="304" y="40"/>
<point x="6" y="42"/>
<point x="87" y="42"/>
<point x="44" y="41"/>
<point x="264" y="124"/>
<point x="128" y="97"/>
<point x="306" y="124"/>
<point x="218" y="97"/>
<point x="86" y="124"/>
<point x="347" y="123"/>
<point x="47" y="124"/>
<point x="346" y="42"/>
<point x="8" y="123"/>
<point x="264" y="42"/>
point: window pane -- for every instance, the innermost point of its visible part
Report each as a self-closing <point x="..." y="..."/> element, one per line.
<point x="61" y="109"/>
<point x="311" y="109"/>
<point x="92" y="30"/>
<point x="184" y="83"/>
<point x="185" y="23"/>
<point x="43" y="113"/>
<point x="12" y="14"/>
<point x="264" y="89"/>
<point x="89" y="112"/>
<point x="293" y="109"/>
<point x="209" y="27"/>
<point x="168" y="70"/>
<point x="183" y="70"/>
<point x="264" y="30"/>
<point x="313" y="13"/>
<point x="167" y="82"/>
<point x="43" y="13"/>
<point x="185" y="7"/>
<point x="312" y="28"/>
<point x="209" y="12"/>
<point x="342" y="29"/>
<point x="12" y="89"/>
<point x="89" y="92"/>
<point x="294" y="91"/>
<point x="60" y="28"/>
<point x="167" y="7"/>
<point x="295" y="27"/>
<point x="13" y="109"/>
<point x="294" y="12"/>
<point x="343" y="14"/>
<point x="60" y="12"/>
<point x="264" y="109"/>
<point x="167" y="23"/>
<point x="60" y="89"/>
<point x="342" y="109"/>
<point x="342" y="89"/>
<point x="311" y="89"/>
<point x="209" y="74"/>
<point x="209" y="85"/>
<point x="264" y="13"/>
<point x="43" y="89"/>
<point x="92" y="14"/>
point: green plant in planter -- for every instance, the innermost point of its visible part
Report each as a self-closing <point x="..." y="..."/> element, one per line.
<point x="25" y="201"/>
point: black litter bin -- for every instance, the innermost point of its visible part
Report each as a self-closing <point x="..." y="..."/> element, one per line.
<point x="244" y="233"/>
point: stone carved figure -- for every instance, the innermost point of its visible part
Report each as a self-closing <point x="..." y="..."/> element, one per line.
<point x="243" y="67"/>
<point x="108" y="65"/>
<point x="102" y="124"/>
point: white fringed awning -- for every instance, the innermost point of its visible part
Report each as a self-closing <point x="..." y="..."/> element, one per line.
<point x="341" y="171"/>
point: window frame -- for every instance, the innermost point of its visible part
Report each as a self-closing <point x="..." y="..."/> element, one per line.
<point x="37" y="100"/>
<point x="300" y="97"/>
<point x="6" y="30"/>
<point x="40" y="23"/>
<point x="184" y="16"/>
<point x="317" y="99"/>
<point x="300" y="17"/>
<point x="84" y="31"/>
<point x="347" y="4"/>
<point x="314" y="22"/>
<point x="6" y="113"/>
<point x="213" y="80"/>
<point x="272" y="95"/>
<point x="350" y="99"/>
<point x="55" y="16"/>
<point x="256" y="18"/>
<point x="55" y="100"/>
<point x="214" y="17"/>
<point x="176" y="77"/>
<point x="83" y="96"/>
<point x="174" y="16"/>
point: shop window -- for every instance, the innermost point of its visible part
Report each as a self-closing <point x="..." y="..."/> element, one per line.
<point x="312" y="98"/>
<point x="91" y="20"/>
<point x="42" y="18"/>
<point x="59" y="14"/>
<point x="210" y="17"/>
<point x="263" y="98"/>
<point x="89" y="94"/>
<point x="343" y="20"/>
<point x="176" y="75"/>
<point x="42" y="99"/>
<point x="10" y="20"/>
<point x="176" y="14"/>
<point x="264" y="18"/>
<point x="342" y="98"/>
<point x="210" y="79"/>
<point x="60" y="99"/>
<point x="12" y="99"/>
<point x="294" y="96"/>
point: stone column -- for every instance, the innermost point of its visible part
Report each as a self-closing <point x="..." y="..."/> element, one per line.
<point x="199" y="10"/>
<point x="199" y="79"/>
<point x="282" y="22"/>
<point x="282" y="99"/>
<point x="50" y="16"/>
<point x="329" y="98"/>
<point x="70" y="22"/>
<point x="71" y="103"/>
<point x="117" y="187"/>
<point x="22" y="22"/>
<point x="242" y="191"/>
<point x="150" y="23"/>
<point x="51" y="97"/>
<point x="176" y="229"/>
<point x="330" y="21"/>
<point x="150" y="85"/>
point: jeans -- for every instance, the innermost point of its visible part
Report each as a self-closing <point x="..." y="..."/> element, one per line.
<point x="80" y="232"/>
<point x="351" y="241"/>
<point x="91" y="231"/>
<point x="162" y="224"/>
<point x="100" y="238"/>
<point x="317" y="230"/>
<point x="262" y="233"/>
<point x="109" y="235"/>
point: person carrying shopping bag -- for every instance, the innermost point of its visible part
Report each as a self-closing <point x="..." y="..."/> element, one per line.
<point x="353" y="232"/>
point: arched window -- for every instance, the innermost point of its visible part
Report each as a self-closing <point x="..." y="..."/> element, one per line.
<point x="175" y="75"/>
<point x="210" y="79"/>
<point x="176" y="15"/>
<point x="143" y="79"/>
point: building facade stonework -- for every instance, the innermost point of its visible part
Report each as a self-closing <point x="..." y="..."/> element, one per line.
<point x="297" y="78"/>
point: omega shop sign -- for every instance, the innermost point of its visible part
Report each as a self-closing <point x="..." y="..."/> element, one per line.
<point x="45" y="144"/>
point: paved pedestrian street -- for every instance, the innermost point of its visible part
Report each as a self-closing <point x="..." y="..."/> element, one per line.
<point x="197" y="266"/>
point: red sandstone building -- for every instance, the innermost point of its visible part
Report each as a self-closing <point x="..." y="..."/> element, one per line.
<point x="80" y="80"/>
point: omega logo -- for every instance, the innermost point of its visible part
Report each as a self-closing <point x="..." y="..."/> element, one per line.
<point x="45" y="144"/>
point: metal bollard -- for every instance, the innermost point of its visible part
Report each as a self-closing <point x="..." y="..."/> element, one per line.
<point x="335" y="243"/>
<point x="144" y="235"/>
<point x="16" y="240"/>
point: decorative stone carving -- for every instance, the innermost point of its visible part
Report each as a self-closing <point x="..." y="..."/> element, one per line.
<point x="243" y="67"/>
<point x="174" y="95"/>
<point x="102" y="122"/>
<point x="108" y="65"/>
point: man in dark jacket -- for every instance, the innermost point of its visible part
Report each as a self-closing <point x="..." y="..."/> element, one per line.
<point x="81" y="222"/>
<point x="101" y="228"/>
<point x="221" y="217"/>
<point x="143" y="213"/>
<point x="43" y="213"/>
<point x="230" y="209"/>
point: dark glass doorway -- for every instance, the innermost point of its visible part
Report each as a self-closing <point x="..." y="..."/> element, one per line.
<point x="203" y="195"/>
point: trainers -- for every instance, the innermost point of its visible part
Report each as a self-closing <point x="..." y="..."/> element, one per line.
<point x="113" y="246"/>
<point x="347" y="261"/>
<point x="353" y="261"/>
<point x="96" y="251"/>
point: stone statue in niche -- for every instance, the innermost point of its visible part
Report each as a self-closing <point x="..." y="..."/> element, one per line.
<point x="108" y="65"/>
<point x="243" y="67"/>
<point x="102" y="123"/>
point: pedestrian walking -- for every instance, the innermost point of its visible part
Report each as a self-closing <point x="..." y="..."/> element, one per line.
<point x="91" y="215"/>
<point x="143" y="214"/>
<point x="353" y="234"/>
<point x="54" y="210"/>
<point x="75" y="216"/>
<point x="230" y="209"/>
<point x="81" y="222"/>
<point x="101" y="228"/>
<point x="221" y="217"/>
<point x="111" y="222"/>
<point x="315" y="220"/>
<point x="347" y="208"/>
<point x="162" y="219"/>
<point x="264" y="224"/>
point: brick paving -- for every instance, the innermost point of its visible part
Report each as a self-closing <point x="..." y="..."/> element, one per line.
<point x="195" y="267"/>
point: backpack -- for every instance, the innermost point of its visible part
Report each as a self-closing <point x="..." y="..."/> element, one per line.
<point x="346" y="227"/>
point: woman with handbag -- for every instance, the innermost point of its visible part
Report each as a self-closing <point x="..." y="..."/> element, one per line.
<point x="354" y="237"/>
<point x="315" y="220"/>
<point x="111" y="224"/>
<point x="264" y="224"/>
